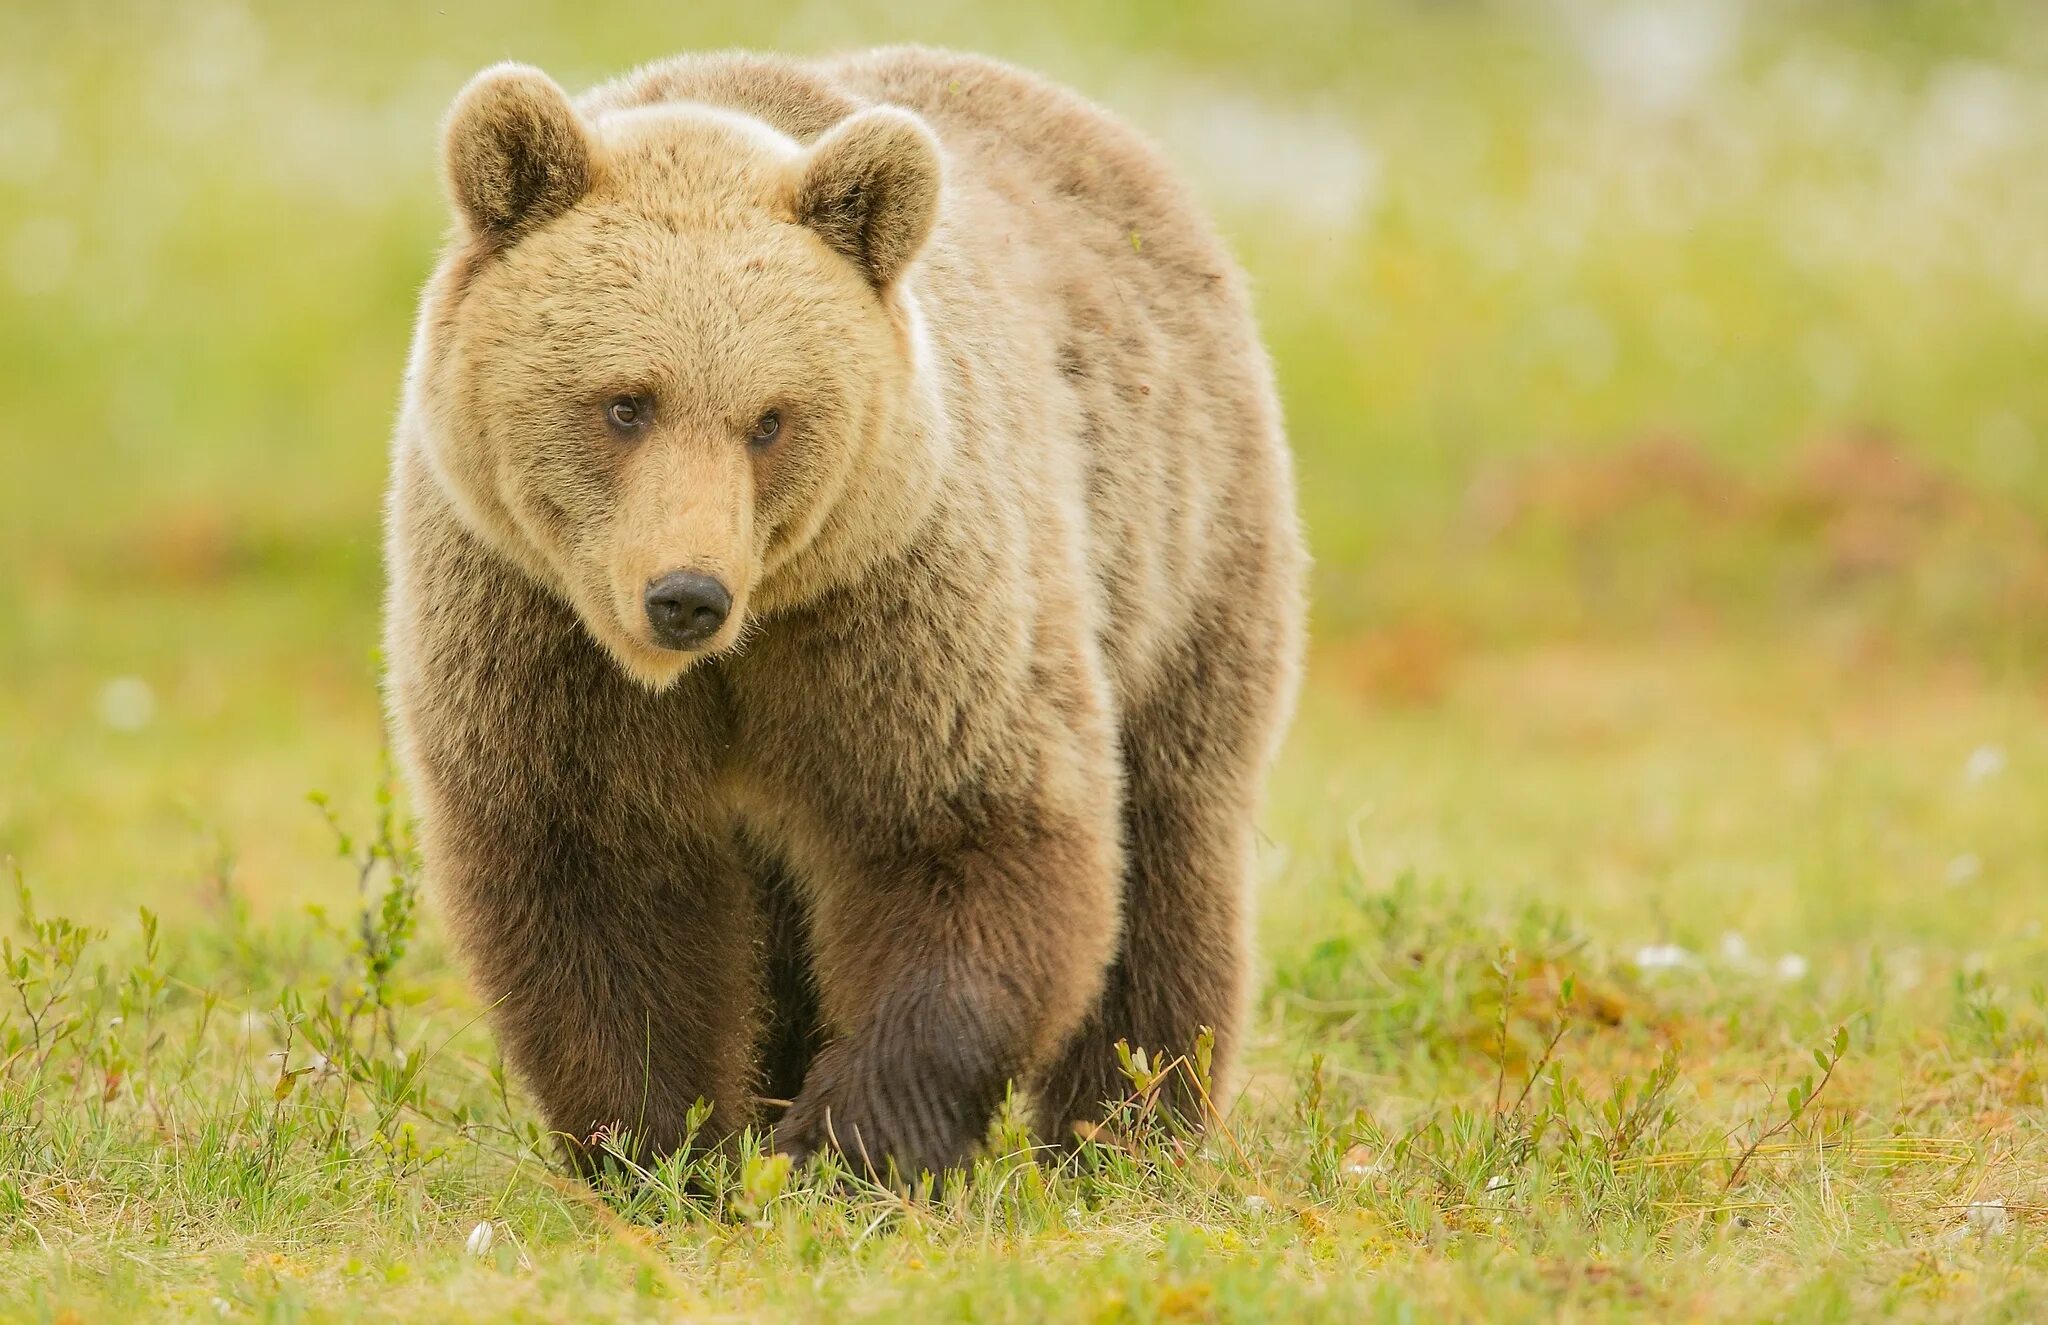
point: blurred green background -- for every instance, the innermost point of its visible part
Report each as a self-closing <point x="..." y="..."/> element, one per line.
<point x="1667" y="381"/>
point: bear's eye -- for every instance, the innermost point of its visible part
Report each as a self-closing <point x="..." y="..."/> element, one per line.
<point x="628" y="413"/>
<point x="766" y="428"/>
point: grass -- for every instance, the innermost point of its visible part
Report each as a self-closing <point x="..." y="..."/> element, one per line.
<point x="1455" y="1107"/>
<point x="1650" y="916"/>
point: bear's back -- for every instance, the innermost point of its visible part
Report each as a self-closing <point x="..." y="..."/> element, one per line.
<point x="996" y="114"/>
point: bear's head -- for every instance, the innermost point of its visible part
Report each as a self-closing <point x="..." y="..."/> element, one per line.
<point x="671" y="358"/>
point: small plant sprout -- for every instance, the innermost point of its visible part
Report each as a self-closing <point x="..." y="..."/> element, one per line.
<point x="1798" y="1099"/>
<point x="763" y="1179"/>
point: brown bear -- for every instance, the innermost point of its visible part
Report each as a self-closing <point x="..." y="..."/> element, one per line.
<point x="845" y="591"/>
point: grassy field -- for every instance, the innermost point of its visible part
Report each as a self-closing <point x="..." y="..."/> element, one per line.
<point x="1652" y="923"/>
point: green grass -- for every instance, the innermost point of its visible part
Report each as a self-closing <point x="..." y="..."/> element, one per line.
<point x="1670" y="432"/>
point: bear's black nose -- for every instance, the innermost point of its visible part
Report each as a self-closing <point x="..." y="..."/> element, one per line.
<point x="684" y="608"/>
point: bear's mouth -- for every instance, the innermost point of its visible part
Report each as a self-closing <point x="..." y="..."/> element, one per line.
<point x="655" y="643"/>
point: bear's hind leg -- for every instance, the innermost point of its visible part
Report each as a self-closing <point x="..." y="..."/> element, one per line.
<point x="1194" y="757"/>
<point x="1182" y="967"/>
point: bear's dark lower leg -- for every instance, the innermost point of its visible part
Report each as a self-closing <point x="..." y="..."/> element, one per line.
<point x="619" y="977"/>
<point x="915" y="1086"/>
<point x="945" y="981"/>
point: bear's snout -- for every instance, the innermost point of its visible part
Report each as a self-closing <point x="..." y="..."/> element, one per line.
<point x="686" y="608"/>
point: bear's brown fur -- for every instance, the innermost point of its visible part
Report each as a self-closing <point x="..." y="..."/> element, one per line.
<point x="937" y="370"/>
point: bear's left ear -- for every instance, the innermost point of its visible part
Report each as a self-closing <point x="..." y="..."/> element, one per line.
<point x="870" y="188"/>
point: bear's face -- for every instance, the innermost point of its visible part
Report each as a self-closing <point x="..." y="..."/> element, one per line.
<point x="668" y="342"/>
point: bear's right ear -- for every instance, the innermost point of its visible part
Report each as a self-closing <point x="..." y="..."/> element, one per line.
<point x="515" y="152"/>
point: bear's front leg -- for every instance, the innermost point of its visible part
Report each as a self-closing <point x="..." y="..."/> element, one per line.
<point x="618" y="965"/>
<point x="956" y="960"/>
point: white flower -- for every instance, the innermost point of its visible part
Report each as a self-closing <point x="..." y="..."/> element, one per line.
<point x="1663" y="957"/>
<point x="1256" y="1205"/>
<point x="1985" y="762"/>
<point x="1791" y="966"/>
<point x="1734" y="949"/>
<point x="1660" y="55"/>
<point x="1964" y="869"/>
<point x="1360" y="1164"/>
<point x="127" y="704"/>
<point x="1498" y="1182"/>
<point x="1986" y="1216"/>
<point x="480" y="1239"/>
